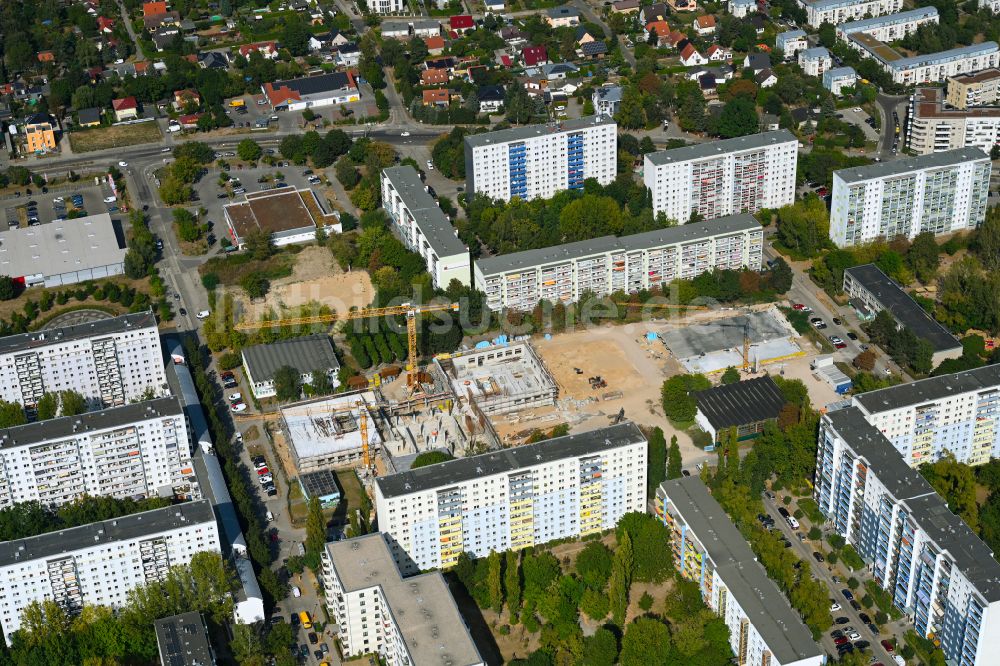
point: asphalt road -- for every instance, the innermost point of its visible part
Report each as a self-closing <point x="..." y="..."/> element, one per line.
<point x="886" y="105"/>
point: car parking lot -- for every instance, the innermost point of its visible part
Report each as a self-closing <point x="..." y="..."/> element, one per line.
<point x="44" y="207"/>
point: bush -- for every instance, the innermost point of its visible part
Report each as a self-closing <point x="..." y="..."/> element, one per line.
<point x="799" y="514"/>
<point x="815" y="533"/>
<point x="867" y="601"/>
<point x="230" y="360"/>
<point x="881" y="618"/>
<point x="786" y="500"/>
<point x="210" y="281"/>
<point x="853" y="583"/>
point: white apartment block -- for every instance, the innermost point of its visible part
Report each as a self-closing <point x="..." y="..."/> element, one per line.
<point x="957" y="413"/>
<point x="940" y="193"/>
<point x="511" y="499"/>
<point x="992" y="5"/>
<point x="932" y="128"/>
<point x="926" y="68"/>
<point x="791" y="42"/>
<point x="892" y="27"/>
<point x="838" y="78"/>
<point x="841" y="11"/>
<point x="424" y="228"/>
<point x="99" y="563"/>
<point x="386" y="6"/>
<point x="815" y="61"/>
<point x="718" y="178"/>
<point x="936" y="570"/>
<point x="406" y="621"/>
<point x="539" y="160"/>
<point x="707" y="549"/>
<point x="110" y="362"/>
<point x="610" y="264"/>
<point x="136" y="451"/>
<point x="969" y="90"/>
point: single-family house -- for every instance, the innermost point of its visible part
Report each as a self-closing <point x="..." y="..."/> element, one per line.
<point x="513" y="36"/>
<point x="705" y="25"/>
<point x="583" y="35"/>
<point x="533" y="56"/>
<point x="105" y="25"/>
<point x="126" y="108"/>
<point x="654" y="12"/>
<point x="716" y="53"/>
<point x="436" y="97"/>
<point x="741" y="8"/>
<point x="213" y="60"/>
<point x="398" y="29"/>
<point x="267" y="49"/>
<point x="555" y="71"/>
<point x="592" y="50"/>
<point x="562" y="17"/>
<point x="435" y="45"/>
<point x="495" y="5"/>
<point x="661" y="29"/>
<point x="708" y="85"/>
<point x="425" y="27"/>
<point x="164" y="36"/>
<point x="40" y="133"/>
<point x="46" y="56"/>
<point x="89" y="117"/>
<point x="756" y="62"/>
<point x="185" y="98"/>
<point x="691" y="57"/>
<point x="190" y="120"/>
<point x="765" y="78"/>
<point x="491" y="98"/>
<point x="433" y="77"/>
<point x="461" y="23"/>
<point x="348" y="55"/>
<point x="625" y="7"/>
<point x="682" y="5"/>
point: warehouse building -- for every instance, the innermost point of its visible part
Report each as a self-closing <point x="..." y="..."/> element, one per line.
<point x="933" y="128"/>
<point x="727" y="177"/>
<point x="565" y="487"/>
<point x="707" y="549"/>
<point x="288" y="214"/>
<point x="307" y="354"/>
<point x="100" y="563"/>
<point x="405" y="621"/>
<point x="424" y="228"/>
<point x="64" y="251"/>
<point x="747" y="405"/>
<point x="110" y="362"/>
<point x="872" y="291"/>
<point x="610" y="264"/>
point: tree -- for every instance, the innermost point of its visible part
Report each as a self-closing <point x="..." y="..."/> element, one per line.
<point x="646" y="643"/>
<point x="315" y="527"/>
<point x="621" y="579"/>
<point x="594" y="604"/>
<point x="923" y="257"/>
<point x="781" y="276"/>
<point x="648" y="541"/>
<point x="494" y="580"/>
<point x="319" y="383"/>
<point x="593" y="565"/>
<point x="656" y="461"/>
<point x="730" y="376"/>
<point x="259" y="244"/>
<point x="287" y="383"/>
<point x="988" y="240"/>
<point x="865" y="360"/>
<point x="249" y="150"/>
<point x="430" y="458"/>
<point x="72" y="403"/>
<point x="512" y="581"/>
<point x="678" y="403"/>
<point x="255" y="284"/>
<point x="600" y="649"/>
<point x="956" y="483"/>
<point x="738" y="118"/>
<point x="674" y="462"/>
<point x="8" y="288"/>
<point x="47" y="406"/>
<point x="804" y="226"/>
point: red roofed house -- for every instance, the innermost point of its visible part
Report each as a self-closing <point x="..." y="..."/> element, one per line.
<point x="125" y="108"/>
<point x="675" y="39"/>
<point x="267" y="49"/>
<point x="435" y="45"/>
<point x="183" y="98"/>
<point x="691" y="57"/>
<point x="461" y="23"/>
<point x="313" y="91"/>
<point x="437" y="97"/>
<point x="46" y="56"/>
<point x="534" y="55"/>
<point x="718" y="53"/>
<point x="661" y="29"/>
<point x="432" y="77"/>
<point x="154" y="8"/>
<point x="142" y="68"/>
<point x="105" y="24"/>
<point x="190" y="121"/>
<point x="704" y="25"/>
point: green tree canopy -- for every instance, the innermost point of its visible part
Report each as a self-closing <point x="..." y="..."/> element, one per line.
<point x="287" y="383"/>
<point x="430" y="458"/>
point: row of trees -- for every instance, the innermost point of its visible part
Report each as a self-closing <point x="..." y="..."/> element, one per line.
<point x="904" y="347"/>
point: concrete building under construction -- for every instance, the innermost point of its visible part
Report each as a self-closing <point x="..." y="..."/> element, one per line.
<point x="327" y="433"/>
<point x="501" y="378"/>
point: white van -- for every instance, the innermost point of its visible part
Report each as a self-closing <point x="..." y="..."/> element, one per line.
<point x="296" y="592"/>
<point x="270" y="517"/>
<point x="794" y="524"/>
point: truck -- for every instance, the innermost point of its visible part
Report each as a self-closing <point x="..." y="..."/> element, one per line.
<point x="237" y="103"/>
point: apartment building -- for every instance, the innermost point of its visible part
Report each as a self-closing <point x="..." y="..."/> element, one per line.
<point x="937" y="571"/>
<point x="933" y="128"/>
<point x="707" y="548"/>
<point x="134" y="451"/>
<point x="110" y="362"/>
<point x="99" y="563"/>
<point x="718" y="178"/>
<point x="892" y="27"/>
<point x="406" y="621"/>
<point x="957" y="413"/>
<point x="991" y="5"/>
<point x="838" y="78"/>
<point x="386" y="6"/>
<point x="979" y="89"/>
<point x="940" y="192"/>
<point x="841" y="11"/>
<point x="929" y="67"/>
<point x="424" y="228"/>
<point x="791" y="42"/>
<point x="815" y="61"/>
<point x="609" y="264"/>
<point x="537" y="161"/>
<point x="565" y="487"/>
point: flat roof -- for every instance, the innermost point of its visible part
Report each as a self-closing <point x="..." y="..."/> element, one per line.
<point x="902" y="307"/>
<point x="680" y="234"/>
<point x="929" y="103"/>
<point x="102" y="327"/>
<point x="320" y="484"/>
<point x="329" y="425"/>
<point x="825" y="5"/>
<point x="306" y="354"/>
<point x="879" y="49"/>
<point x="126" y="528"/>
<point x="433" y="223"/>
<point x="977" y="77"/>
<point x="790" y="34"/>
<point x="888" y="19"/>
<point x="709" y="149"/>
<point x="766" y="607"/>
<point x="531" y="131"/>
<point x="972" y="557"/>
<point x="274" y="211"/>
<point x="421" y="606"/>
<point x="908" y="164"/>
<point x="62" y="246"/>
<point x="748" y="401"/>
<point x="183" y="640"/>
<point x="509" y="460"/>
<point x="931" y="389"/>
<point x="71" y="426"/>
<point x="945" y="56"/>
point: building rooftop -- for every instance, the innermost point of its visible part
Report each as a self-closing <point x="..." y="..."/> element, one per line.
<point x="685" y="233"/>
<point x="945" y="56"/>
<point x="977" y="77"/>
<point x="306" y="354"/>
<point x="509" y="460"/>
<point x="329" y="425"/>
<point x="531" y="131"/>
<point x="901" y="306"/>
<point x="791" y="34"/>
<point x="814" y="52"/>
<point x="744" y="402"/>
<point x="277" y="211"/>
<point x="102" y="327"/>
<point x="907" y="164"/>
<point x="767" y="608"/>
<point x="715" y="148"/>
<point x="889" y="19"/>
<point x="838" y="72"/>
<point x="62" y="246"/>
<point x="421" y="606"/>
<point x="929" y="103"/>
<point x="183" y="640"/>
<point x="929" y="390"/>
<point x="320" y="484"/>
<point x="876" y="47"/>
<point x="434" y="224"/>
<point x="126" y="528"/>
<point x="280" y="92"/>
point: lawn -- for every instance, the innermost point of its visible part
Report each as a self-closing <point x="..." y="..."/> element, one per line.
<point x="117" y="136"/>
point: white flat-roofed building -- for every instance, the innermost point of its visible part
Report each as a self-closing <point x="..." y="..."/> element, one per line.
<point x="406" y="621"/>
<point x="424" y="228"/>
<point x="386" y="6"/>
<point x="791" y="42"/>
<point x="940" y="193"/>
<point x="934" y="568"/>
<point x="815" y="61"/>
<point x="537" y="161"/>
<point x="727" y="177"/>
<point x="838" y="78"/>
<point x="100" y="563"/>
<point x="134" y="451"/>
<point x="307" y="355"/>
<point x="892" y="27"/>
<point x="707" y="549"/>
<point x="841" y="11"/>
<point x="926" y="68"/>
<point x="932" y="128"/>
<point x="326" y="433"/>
<point x="610" y="264"/>
<point x="110" y="362"/>
<point x="565" y="487"/>
<point x="63" y="251"/>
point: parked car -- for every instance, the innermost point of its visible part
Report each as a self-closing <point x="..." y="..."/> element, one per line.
<point x="834" y="607"/>
<point x="841" y="620"/>
<point x="854" y="636"/>
<point x="238" y="407"/>
<point x="236" y="397"/>
<point x="204" y="314"/>
<point x="265" y="478"/>
<point x="887" y="645"/>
